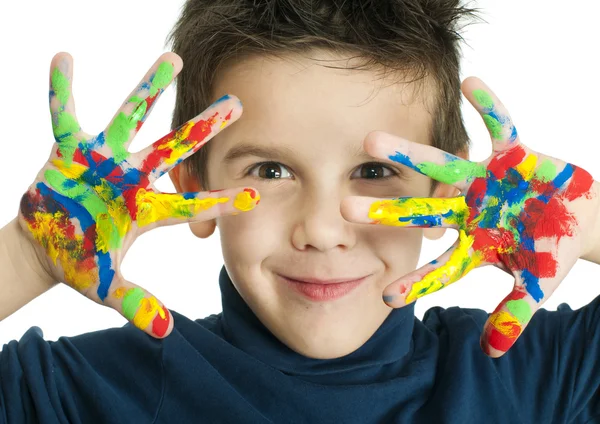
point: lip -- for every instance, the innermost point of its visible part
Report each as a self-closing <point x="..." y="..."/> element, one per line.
<point x="322" y="290"/>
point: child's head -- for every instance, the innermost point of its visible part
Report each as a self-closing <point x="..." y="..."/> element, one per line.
<point x="315" y="77"/>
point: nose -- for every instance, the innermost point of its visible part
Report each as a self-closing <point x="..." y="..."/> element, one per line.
<point x="320" y="225"/>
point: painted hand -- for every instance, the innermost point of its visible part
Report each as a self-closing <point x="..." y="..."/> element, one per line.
<point x="522" y="211"/>
<point x="93" y="197"/>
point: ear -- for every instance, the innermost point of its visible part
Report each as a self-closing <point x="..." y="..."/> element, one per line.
<point x="185" y="183"/>
<point x="443" y="190"/>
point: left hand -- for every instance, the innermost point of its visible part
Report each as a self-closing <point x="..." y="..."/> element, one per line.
<point x="525" y="212"/>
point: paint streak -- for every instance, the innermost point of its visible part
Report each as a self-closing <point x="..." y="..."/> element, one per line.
<point x="153" y="207"/>
<point x="450" y="172"/>
<point x="87" y="204"/>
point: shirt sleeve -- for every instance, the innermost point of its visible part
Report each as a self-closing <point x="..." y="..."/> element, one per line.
<point x="107" y="376"/>
<point x="579" y="365"/>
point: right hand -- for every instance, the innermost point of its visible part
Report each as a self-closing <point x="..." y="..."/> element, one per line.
<point x="93" y="197"/>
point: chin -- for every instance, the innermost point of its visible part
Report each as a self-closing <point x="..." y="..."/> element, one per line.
<point x="326" y="338"/>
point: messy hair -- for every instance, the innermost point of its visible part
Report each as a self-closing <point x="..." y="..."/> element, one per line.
<point x="419" y="39"/>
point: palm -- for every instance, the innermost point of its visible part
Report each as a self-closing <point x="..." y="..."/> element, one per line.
<point x="521" y="211"/>
<point x="93" y="197"/>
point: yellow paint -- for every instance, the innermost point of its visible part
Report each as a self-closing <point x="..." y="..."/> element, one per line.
<point x="153" y="207"/>
<point x="527" y="167"/>
<point x="244" y="201"/>
<point x="47" y="230"/>
<point x="506" y="324"/>
<point x="389" y="212"/>
<point x="179" y="143"/>
<point x="111" y="228"/>
<point x="459" y="264"/>
<point x="146" y="312"/>
<point x="74" y="171"/>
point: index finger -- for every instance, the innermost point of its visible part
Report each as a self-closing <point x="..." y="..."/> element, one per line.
<point x="427" y="160"/>
<point x="167" y="152"/>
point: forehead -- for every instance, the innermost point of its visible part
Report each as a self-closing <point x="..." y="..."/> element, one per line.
<point x="306" y="100"/>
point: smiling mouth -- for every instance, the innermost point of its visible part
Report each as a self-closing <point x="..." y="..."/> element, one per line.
<point x="322" y="290"/>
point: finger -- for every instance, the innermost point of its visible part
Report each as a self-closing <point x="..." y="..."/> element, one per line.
<point x="428" y="160"/>
<point x="508" y="321"/>
<point x="186" y="140"/>
<point x="66" y="128"/>
<point x="494" y="114"/>
<point x="140" y="308"/>
<point x="131" y="116"/>
<point x="450" y="267"/>
<point x="406" y="211"/>
<point x="169" y="209"/>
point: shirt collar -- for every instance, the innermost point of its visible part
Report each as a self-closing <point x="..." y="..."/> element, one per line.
<point x="386" y="352"/>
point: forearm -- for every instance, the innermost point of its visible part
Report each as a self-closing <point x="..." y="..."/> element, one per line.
<point x="21" y="278"/>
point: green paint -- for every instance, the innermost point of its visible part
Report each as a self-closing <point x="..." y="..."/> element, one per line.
<point x="483" y="98"/>
<point x="162" y="77"/>
<point x="520" y="309"/>
<point x="118" y="134"/>
<point x="65" y="126"/>
<point x="493" y="126"/>
<point x="60" y="86"/>
<point x="88" y="199"/>
<point x="131" y="302"/>
<point x="546" y="171"/>
<point x="453" y="171"/>
<point x="139" y="111"/>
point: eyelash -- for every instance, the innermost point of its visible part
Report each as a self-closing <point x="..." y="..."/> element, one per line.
<point x="394" y="172"/>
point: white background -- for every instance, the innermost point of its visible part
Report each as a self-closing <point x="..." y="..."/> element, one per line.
<point x="540" y="57"/>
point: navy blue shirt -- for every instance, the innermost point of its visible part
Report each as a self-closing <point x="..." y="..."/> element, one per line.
<point x="228" y="368"/>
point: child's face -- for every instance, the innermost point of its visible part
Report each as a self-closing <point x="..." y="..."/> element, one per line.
<point x="309" y="121"/>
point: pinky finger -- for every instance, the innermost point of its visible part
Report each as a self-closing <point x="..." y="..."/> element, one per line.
<point x="506" y="324"/>
<point x="140" y="308"/>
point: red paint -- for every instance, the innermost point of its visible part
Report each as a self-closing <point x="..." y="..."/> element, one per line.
<point x="161" y="325"/>
<point x="506" y="160"/>
<point x="252" y="194"/>
<point x="580" y="184"/>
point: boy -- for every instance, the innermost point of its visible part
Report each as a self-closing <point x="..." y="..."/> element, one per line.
<point x="286" y="350"/>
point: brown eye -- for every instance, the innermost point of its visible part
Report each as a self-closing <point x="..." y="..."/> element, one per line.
<point x="373" y="171"/>
<point x="270" y="171"/>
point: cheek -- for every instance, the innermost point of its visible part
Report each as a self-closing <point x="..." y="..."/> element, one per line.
<point x="397" y="248"/>
<point x="251" y="237"/>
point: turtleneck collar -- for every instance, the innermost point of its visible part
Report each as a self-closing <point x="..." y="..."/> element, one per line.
<point x="383" y="356"/>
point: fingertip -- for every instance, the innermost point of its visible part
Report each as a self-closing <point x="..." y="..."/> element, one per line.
<point x="174" y="59"/>
<point x="394" y="295"/>
<point x="356" y="209"/>
<point x="162" y="324"/>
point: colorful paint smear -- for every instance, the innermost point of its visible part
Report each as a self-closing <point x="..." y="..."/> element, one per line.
<point x="87" y="203"/>
<point x="517" y="198"/>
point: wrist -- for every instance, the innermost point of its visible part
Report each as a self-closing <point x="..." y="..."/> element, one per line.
<point x="23" y="261"/>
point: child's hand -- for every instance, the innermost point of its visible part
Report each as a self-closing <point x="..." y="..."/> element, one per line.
<point x="93" y="197"/>
<point x="527" y="213"/>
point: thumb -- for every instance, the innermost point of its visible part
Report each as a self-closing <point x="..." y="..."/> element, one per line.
<point x="140" y="308"/>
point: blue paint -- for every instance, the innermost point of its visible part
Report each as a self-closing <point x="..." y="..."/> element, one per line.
<point x="532" y="284"/>
<point x="69" y="206"/>
<point x="404" y="160"/>
<point x="564" y="175"/>
<point x="106" y="274"/>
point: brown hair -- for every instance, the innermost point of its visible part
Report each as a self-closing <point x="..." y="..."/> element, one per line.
<point x="419" y="38"/>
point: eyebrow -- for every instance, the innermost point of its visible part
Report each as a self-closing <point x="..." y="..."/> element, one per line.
<point x="276" y="152"/>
